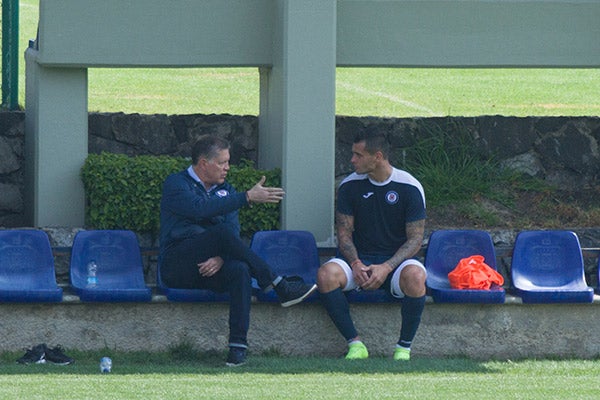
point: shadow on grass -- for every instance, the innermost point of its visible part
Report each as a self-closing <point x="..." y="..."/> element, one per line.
<point x="214" y="363"/>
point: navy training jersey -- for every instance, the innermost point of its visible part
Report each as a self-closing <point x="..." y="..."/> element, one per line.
<point x="381" y="210"/>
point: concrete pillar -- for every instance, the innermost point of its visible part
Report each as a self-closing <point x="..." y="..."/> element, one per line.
<point x="297" y="113"/>
<point x="56" y="143"/>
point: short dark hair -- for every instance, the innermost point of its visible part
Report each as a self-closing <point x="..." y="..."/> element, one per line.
<point x="374" y="140"/>
<point x="208" y="146"/>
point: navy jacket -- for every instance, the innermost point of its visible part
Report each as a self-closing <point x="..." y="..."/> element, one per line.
<point x="186" y="208"/>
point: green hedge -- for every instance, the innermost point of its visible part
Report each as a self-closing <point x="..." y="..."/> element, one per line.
<point x="124" y="192"/>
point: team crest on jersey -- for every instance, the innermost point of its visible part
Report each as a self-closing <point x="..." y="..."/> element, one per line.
<point x="391" y="197"/>
<point x="222" y="193"/>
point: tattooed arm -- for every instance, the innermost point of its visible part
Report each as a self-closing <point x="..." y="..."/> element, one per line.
<point x="414" y="240"/>
<point x="345" y="227"/>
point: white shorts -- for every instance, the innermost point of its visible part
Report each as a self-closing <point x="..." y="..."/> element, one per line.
<point x="395" y="282"/>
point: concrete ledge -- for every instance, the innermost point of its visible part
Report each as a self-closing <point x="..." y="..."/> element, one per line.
<point x="504" y="331"/>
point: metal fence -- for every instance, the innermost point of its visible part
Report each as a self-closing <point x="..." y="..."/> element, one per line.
<point x="10" y="54"/>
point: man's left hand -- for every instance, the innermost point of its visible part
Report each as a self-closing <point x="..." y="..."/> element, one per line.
<point x="210" y="266"/>
<point x="377" y="275"/>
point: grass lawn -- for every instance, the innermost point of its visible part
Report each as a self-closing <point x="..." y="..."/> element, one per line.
<point x="154" y="376"/>
<point x="359" y="91"/>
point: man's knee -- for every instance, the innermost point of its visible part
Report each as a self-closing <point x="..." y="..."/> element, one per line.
<point x="330" y="276"/>
<point x="412" y="281"/>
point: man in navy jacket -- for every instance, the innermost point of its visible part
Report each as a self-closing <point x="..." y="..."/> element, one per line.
<point x="200" y="245"/>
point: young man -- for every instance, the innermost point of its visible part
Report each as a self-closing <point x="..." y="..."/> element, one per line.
<point x="380" y="222"/>
<point x="200" y="246"/>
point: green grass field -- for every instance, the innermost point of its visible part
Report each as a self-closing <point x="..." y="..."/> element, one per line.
<point x="148" y="376"/>
<point x="360" y="91"/>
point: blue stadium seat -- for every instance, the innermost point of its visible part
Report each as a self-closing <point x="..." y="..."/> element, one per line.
<point x="547" y="267"/>
<point x="289" y="253"/>
<point x="598" y="274"/>
<point x="27" y="267"/>
<point x="444" y="250"/>
<point x="120" y="269"/>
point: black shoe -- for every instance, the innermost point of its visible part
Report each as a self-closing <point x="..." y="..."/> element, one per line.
<point x="236" y="357"/>
<point x="35" y="355"/>
<point x="292" y="290"/>
<point x="57" y="356"/>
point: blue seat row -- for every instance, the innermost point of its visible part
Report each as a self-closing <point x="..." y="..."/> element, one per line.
<point x="547" y="266"/>
<point x="27" y="271"/>
<point x="27" y="267"/>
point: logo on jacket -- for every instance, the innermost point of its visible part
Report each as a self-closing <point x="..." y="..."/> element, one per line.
<point x="367" y="195"/>
<point x="222" y="193"/>
<point x="391" y="197"/>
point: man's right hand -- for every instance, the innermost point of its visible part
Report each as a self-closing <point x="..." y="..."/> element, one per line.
<point x="262" y="194"/>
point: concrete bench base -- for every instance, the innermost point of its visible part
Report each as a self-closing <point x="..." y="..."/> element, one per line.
<point x="505" y="331"/>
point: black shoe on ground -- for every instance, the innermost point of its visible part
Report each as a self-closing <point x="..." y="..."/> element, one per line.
<point x="57" y="356"/>
<point x="236" y="357"/>
<point x="35" y="355"/>
<point x="292" y="290"/>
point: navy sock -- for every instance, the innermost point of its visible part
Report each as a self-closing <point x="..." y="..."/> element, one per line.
<point x="337" y="307"/>
<point x="412" y="309"/>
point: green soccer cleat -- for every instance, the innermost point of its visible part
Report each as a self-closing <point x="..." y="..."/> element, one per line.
<point x="357" y="351"/>
<point x="402" y="354"/>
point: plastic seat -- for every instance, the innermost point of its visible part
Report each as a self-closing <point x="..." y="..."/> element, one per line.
<point x="445" y="249"/>
<point x="547" y="267"/>
<point x="598" y="274"/>
<point x="120" y="269"/>
<point x="289" y="253"/>
<point x="27" y="267"/>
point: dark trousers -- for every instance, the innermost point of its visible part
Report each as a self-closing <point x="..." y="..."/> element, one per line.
<point x="179" y="269"/>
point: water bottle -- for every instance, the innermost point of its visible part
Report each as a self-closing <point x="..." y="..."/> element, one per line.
<point x="105" y="365"/>
<point x="92" y="274"/>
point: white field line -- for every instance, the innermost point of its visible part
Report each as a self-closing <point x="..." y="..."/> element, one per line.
<point x="394" y="99"/>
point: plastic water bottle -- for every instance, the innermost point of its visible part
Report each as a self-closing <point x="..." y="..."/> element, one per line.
<point x="92" y="274"/>
<point x="105" y="365"/>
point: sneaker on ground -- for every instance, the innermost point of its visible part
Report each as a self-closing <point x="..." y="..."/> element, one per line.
<point x="292" y="290"/>
<point x="357" y="351"/>
<point x="35" y="355"/>
<point x="236" y="357"/>
<point x="57" y="356"/>
<point x="402" y="354"/>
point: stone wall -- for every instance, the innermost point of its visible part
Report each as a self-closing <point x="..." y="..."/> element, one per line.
<point x="12" y="128"/>
<point x="510" y="331"/>
<point x="562" y="150"/>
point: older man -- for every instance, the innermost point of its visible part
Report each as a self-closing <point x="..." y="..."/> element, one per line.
<point x="200" y="246"/>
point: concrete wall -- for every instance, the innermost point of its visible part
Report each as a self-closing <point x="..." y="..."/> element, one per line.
<point x="508" y="331"/>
